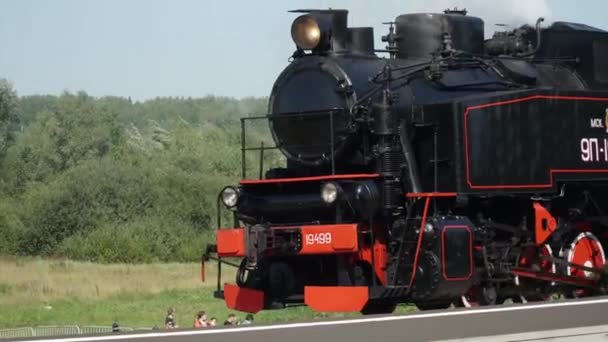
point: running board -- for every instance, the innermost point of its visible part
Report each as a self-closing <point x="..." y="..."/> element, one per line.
<point x="577" y="281"/>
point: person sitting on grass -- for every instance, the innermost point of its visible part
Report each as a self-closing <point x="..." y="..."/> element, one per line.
<point x="170" y="319"/>
<point x="231" y="320"/>
<point x="248" y="320"/>
<point x="201" y="320"/>
<point x="212" y="322"/>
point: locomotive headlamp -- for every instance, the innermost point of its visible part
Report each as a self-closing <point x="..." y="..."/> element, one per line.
<point x="305" y="32"/>
<point x="230" y="196"/>
<point x="329" y="192"/>
<point x="311" y="31"/>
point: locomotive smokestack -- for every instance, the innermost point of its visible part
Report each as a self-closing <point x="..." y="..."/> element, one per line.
<point x="339" y="30"/>
<point x="361" y="40"/>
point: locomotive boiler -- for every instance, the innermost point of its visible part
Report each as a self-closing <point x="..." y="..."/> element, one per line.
<point x="453" y="170"/>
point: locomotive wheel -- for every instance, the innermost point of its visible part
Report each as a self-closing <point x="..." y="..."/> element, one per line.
<point x="514" y="298"/>
<point x="249" y="277"/>
<point x="468" y="301"/>
<point x="585" y="249"/>
<point x="423" y="306"/>
<point x="281" y="281"/>
<point x="361" y="275"/>
<point x="477" y="296"/>
<point x="376" y="308"/>
<point x="530" y="258"/>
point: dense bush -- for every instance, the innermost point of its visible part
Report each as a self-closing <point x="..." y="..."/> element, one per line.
<point x="11" y="226"/>
<point x="109" y="180"/>
<point x="148" y="239"/>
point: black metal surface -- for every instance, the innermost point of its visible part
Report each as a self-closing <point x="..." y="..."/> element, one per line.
<point x="297" y="202"/>
<point x="457" y="253"/>
<point x="513" y="145"/>
<point x="314" y="85"/>
<point x="584" y="43"/>
<point x="318" y="83"/>
<point x="445" y="265"/>
<point x="361" y="40"/>
<point x="490" y="128"/>
<point x="422" y="34"/>
<point x="520" y="70"/>
<point x="411" y="164"/>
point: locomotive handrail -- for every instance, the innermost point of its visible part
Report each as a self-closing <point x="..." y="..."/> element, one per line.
<point x="262" y="148"/>
<point x="284" y="145"/>
<point x="292" y="114"/>
<point x="289" y="115"/>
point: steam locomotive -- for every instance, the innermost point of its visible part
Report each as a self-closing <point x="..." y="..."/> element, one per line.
<point x="454" y="170"/>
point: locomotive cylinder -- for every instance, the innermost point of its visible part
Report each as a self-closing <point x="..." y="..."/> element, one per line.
<point x="386" y="121"/>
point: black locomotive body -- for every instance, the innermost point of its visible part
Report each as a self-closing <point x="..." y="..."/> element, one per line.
<point x="456" y="170"/>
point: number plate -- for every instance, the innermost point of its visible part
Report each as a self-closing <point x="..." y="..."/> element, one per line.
<point x="329" y="239"/>
<point x="318" y="238"/>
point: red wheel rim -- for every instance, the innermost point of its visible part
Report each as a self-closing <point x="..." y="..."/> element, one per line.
<point x="585" y="250"/>
<point x="470" y="299"/>
<point x="530" y="257"/>
<point x="547" y="265"/>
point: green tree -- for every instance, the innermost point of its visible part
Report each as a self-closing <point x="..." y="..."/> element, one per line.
<point x="73" y="130"/>
<point x="112" y="180"/>
<point x="8" y="115"/>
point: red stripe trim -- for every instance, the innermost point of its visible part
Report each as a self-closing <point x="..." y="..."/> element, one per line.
<point x="552" y="171"/>
<point x="419" y="245"/>
<point x="309" y="179"/>
<point x="318" y="226"/>
<point x="430" y="194"/>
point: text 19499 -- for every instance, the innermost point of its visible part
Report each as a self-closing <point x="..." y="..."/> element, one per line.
<point x="594" y="150"/>
<point x="318" y="239"/>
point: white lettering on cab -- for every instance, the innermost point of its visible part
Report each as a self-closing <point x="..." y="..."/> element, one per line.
<point x="597" y="123"/>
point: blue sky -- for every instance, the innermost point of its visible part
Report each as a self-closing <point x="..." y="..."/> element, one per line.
<point x="149" y="48"/>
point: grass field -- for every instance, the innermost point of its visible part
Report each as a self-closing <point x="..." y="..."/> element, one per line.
<point x="48" y="292"/>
